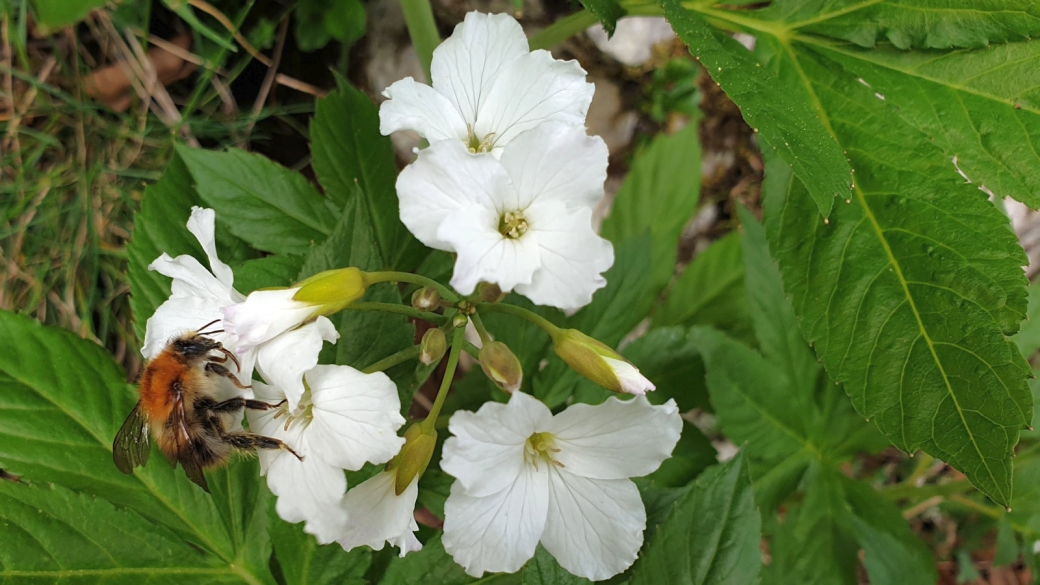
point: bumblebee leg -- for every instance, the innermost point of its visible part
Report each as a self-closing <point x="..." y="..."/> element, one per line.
<point x="248" y="441"/>
<point x="220" y="370"/>
<point x="223" y="359"/>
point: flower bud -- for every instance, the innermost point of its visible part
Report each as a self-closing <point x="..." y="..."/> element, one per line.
<point x="415" y="455"/>
<point x="600" y="364"/>
<point x="432" y="346"/>
<point x="489" y="292"/>
<point x="499" y="363"/>
<point x="426" y="299"/>
<point x="332" y="290"/>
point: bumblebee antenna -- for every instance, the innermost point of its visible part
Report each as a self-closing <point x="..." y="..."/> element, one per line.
<point x="202" y="330"/>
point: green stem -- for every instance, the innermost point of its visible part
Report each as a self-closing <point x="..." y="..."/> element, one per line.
<point x="478" y="324"/>
<point x="399" y="309"/>
<point x="914" y="493"/>
<point x="392" y="276"/>
<point x="523" y="313"/>
<point x="472" y="350"/>
<point x="393" y="359"/>
<point x="924" y="463"/>
<point x="457" y="338"/>
<point x="422" y="28"/>
<point x="561" y="30"/>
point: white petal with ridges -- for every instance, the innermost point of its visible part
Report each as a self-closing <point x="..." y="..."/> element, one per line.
<point x="486" y="451"/>
<point x="175" y="317"/>
<point x="445" y="179"/>
<point x="572" y="256"/>
<point x="284" y="360"/>
<point x="378" y="516"/>
<point x="467" y="64"/>
<point x="484" y="254"/>
<point x="264" y="315"/>
<point x="418" y="107"/>
<point x="191" y="279"/>
<point x="594" y="527"/>
<point x="356" y="416"/>
<point x="202" y="224"/>
<point x="497" y="532"/>
<point x="557" y="162"/>
<point x="531" y="90"/>
<point x="616" y="439"/>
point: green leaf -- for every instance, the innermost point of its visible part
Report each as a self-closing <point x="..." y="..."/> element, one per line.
<point x="51" y="534"/>
<point x="710" y="291"/>
<point x="305" y="562"/>
<point x="659" y="194"/>
<point x="543" y="569"/>
<point x="58" y="13"/>
<point x="606" y="11"/>
<point x="350" y="153"/>
<point x="1028" y="336"/>
<point x="430" y="566"/>
<point x="693" y="454"/>
<point x="78" y="399"/>
<point x="270" y="207"/>
<point x="267" y="272"/>
<point x="159" y="227"/>
<point x="907" y="291"/>
<point x="712" y="535"/>
<point x="785" y="119"/>
<point x="667" y="358"/>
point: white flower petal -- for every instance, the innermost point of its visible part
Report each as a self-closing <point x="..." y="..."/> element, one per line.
<point x="468" y="62"/>
<point x="486" y="452"/>
<point x="533" y="89"/>
<point x="632" y="380"/>
<point x="616" y="439"/>
<point x="445" y="179"/>
<point x="486" y="255"/>
<point x="573" y="257"/>
<point x="356" y="416"/>
<point x="497" y="532"/>
<point x="264" y="315"/>
<point x="283" y="360"/>
<point x="594" y="527"/>
<point x="175" y="317"/>
<point x="418" y="107"/>
<point x="202" y="225"/>
<point x="557" y="162"/>
<point x="191" y="279"/>
<point x="379" y="516"/>
<point x="309" y="491"/>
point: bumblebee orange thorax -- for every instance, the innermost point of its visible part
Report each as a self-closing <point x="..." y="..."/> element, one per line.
<point x="162" y="379"/>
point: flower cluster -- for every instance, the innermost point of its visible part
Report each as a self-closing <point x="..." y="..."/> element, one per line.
<point x="510" y="178"/>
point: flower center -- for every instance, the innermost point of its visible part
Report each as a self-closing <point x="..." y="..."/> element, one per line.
<point x="541" y="446"/>
<point x="303" y="414"/>
<point x="512" y="224"/>
<point x="476" y="144"/>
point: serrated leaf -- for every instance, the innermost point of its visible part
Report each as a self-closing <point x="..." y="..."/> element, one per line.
<point x="431" y="566"/>
<point x="78" y="399"/>
<point x="908" y="291"/>
<point x="712" y="535"/>
<point x="606" y="11"/>
<point x="354" y="161"/>
<point x="270" y="271"/>
<point x="710" y="291"/>
<point x="659" y="194"/>
<point x="543" y="569"/>
<point x="1028" y="336"/>
<point x="269" y="206"/>
<point x="305" y="562"/>
<point x="787" y="120"/>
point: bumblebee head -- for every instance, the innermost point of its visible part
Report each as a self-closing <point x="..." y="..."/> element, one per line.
<point x="193" y="346"/>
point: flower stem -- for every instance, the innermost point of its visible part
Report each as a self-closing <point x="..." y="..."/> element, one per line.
<point x="472" y="350"/>
<point x="391" y="276"/>
<point x="478" y="324"/>
<point x="393" y="359"/>
<point x="561" y="30"/>
<point x="449" y="374"/>
<point x="523" y="313"/>
<point x="399" y="309"/>
<point x="422" y="29"/>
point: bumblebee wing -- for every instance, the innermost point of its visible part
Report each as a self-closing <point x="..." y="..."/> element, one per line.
<point x="185" y="449"/>
<point x="132" y="445"/>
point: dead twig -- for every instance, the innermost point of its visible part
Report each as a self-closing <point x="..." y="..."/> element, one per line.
<point x="272" y="72"/>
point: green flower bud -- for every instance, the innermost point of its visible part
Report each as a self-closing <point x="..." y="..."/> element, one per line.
<point x="490" y="293"/>
<point x="432" y="346"/>
<point x="599" y="363"/>
<point x="415" y="455"/>
<point x="426" y="299"/>
<point x="332" y="290"/>
<point x="501" y="365"/>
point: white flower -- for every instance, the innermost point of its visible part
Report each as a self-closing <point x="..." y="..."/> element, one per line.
<point x="525" y="476"/>
<point x="346" y="419"/>
<point x="523" y="222"/>
<point x="487" y="88"/>
<point x="200" y="297"/>
<point x="378" y="515"/>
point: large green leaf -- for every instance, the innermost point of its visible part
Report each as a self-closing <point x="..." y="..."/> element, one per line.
<point x="785" y="119"/>
<point x="433" y="566"/>
<point x="57" y="13"/>
<point x="78" y="398"/>
<point x="543" y="569"/>
<point x="660" y="194"/>
<point x="711" y="536"/>
<point x="305" y="562"/>
<point x="908" y="291"/>
<point x="350" y="153"/>
<point x="269" y="206"/>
